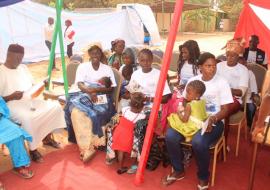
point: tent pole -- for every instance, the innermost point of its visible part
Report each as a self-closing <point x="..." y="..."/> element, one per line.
<point x="58" y="31"/>
<point x="162" y="79"/>
<point x="52" y="52"/>
<point x="59" y="6"/>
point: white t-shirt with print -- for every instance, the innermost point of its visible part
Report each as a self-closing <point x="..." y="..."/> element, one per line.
<point x="87" y="74"/>
<point x="217" y="93"/>
<point x="252" y="55"/>
<point x="131" y="116"/>
<point x="186" y="73"/>
<point x="149" y="82"/>
<point x="237" y="76"/>
<point x="252" y="86"/>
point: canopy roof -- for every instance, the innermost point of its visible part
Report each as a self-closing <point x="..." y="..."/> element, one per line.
<point x="4" y="3"/>
<point x="24" y="22"/>
<point x="254" y="19"/>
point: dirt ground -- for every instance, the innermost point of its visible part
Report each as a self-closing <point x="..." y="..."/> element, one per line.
<point x="211" y="42"/>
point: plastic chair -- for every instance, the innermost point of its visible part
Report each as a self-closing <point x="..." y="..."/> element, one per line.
<point x="157" y="59"/>
<point x="220" y="145"/>
<point x="239" y="119"/>
<point x="116" y="91"/>
<point x="174" y="61"/>
<point x="71" y="74"/>
<point x="259" y="72"/>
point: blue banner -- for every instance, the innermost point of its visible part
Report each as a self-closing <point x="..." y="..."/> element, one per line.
<point x="4" y="3"/>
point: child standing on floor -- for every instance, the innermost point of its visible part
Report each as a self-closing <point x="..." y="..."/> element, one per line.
<point x="192" y="114"/>
<point x="123" y="133"/>
<point x="124" y="94"/>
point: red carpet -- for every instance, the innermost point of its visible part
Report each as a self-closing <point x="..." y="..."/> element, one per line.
<point x="62" y="170"/>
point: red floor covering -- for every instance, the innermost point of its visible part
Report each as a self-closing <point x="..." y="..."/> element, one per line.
<point x="62" y="170"/>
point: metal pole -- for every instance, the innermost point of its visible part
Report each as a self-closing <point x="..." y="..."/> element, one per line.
<point x="58" y="31"/>
<point x="59" y="9"/>
<point x="162" y="7"/>
<point x="52" y="52"/>
<point x="162" y="79"/>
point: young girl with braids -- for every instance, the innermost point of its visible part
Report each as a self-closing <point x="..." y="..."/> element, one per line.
<point x="191" y="115"/>
<point x="123" y="133"/>
<point x="187" y="68"/>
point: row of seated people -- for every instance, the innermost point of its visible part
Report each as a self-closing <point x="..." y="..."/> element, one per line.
<point x="95" y="79"/>
<point x="209" y="85"/>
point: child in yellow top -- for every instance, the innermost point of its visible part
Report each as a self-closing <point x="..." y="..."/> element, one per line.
<point x="191" y="116"/>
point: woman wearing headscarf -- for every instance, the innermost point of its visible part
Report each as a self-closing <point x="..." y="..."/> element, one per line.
<point x="84" y="116"/>
<point x="235" y="74"/>
<point x="116" y="60"/>
<point x="129" y="58"/>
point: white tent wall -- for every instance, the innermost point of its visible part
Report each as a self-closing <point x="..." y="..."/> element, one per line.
<point x="149" y="21"/>
<point x="24" y="22"/>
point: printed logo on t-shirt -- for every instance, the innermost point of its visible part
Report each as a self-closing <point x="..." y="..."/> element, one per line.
<point x="210" y="103"/>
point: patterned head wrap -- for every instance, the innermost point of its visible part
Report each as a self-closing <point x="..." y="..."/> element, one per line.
<point x="236" y="45"/>
<point x="116" y="41"/>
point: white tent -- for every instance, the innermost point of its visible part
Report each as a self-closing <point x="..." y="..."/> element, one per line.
<point x="24" y="22"/>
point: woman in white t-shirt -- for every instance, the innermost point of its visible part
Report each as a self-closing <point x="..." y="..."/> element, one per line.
<point x="148" y="77"/>
<point x="187" y="68"/>
<point x="89" y="133"/>
<point x="217" y="97"/>
<point x="187" y="63"/>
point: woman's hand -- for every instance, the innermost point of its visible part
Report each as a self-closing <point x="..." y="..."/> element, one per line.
<point x="81" y="86"/>
<point x="116" y="64"/>
<point x="181" y="87"/>
<point x="93" y="97"/>
<point x="126" y="95"/>
<point x="85" y="89"/>
<point x="212" y="120"/>
<point x="17" y="95"/>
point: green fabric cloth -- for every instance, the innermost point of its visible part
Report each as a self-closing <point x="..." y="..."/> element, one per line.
<point x="113" y="58"/>
<point x="188" y="129"/>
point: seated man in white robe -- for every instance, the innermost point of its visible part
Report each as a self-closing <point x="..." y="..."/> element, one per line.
<point x="15" y="79"/>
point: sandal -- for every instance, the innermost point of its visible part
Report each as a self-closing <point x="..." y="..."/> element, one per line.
<point x="36" y="156"/>
<point x="23" y="172"/>
<point x="110" y="161"/>
<point x="52" y="143"/>
<point x="132" y="169"/>
<point x="122" y="170"/>
<point x="204" y="187"/>
<point x="170" y="179"/>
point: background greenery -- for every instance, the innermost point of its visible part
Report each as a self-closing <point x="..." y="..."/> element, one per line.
<point x="200" y="17"/>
